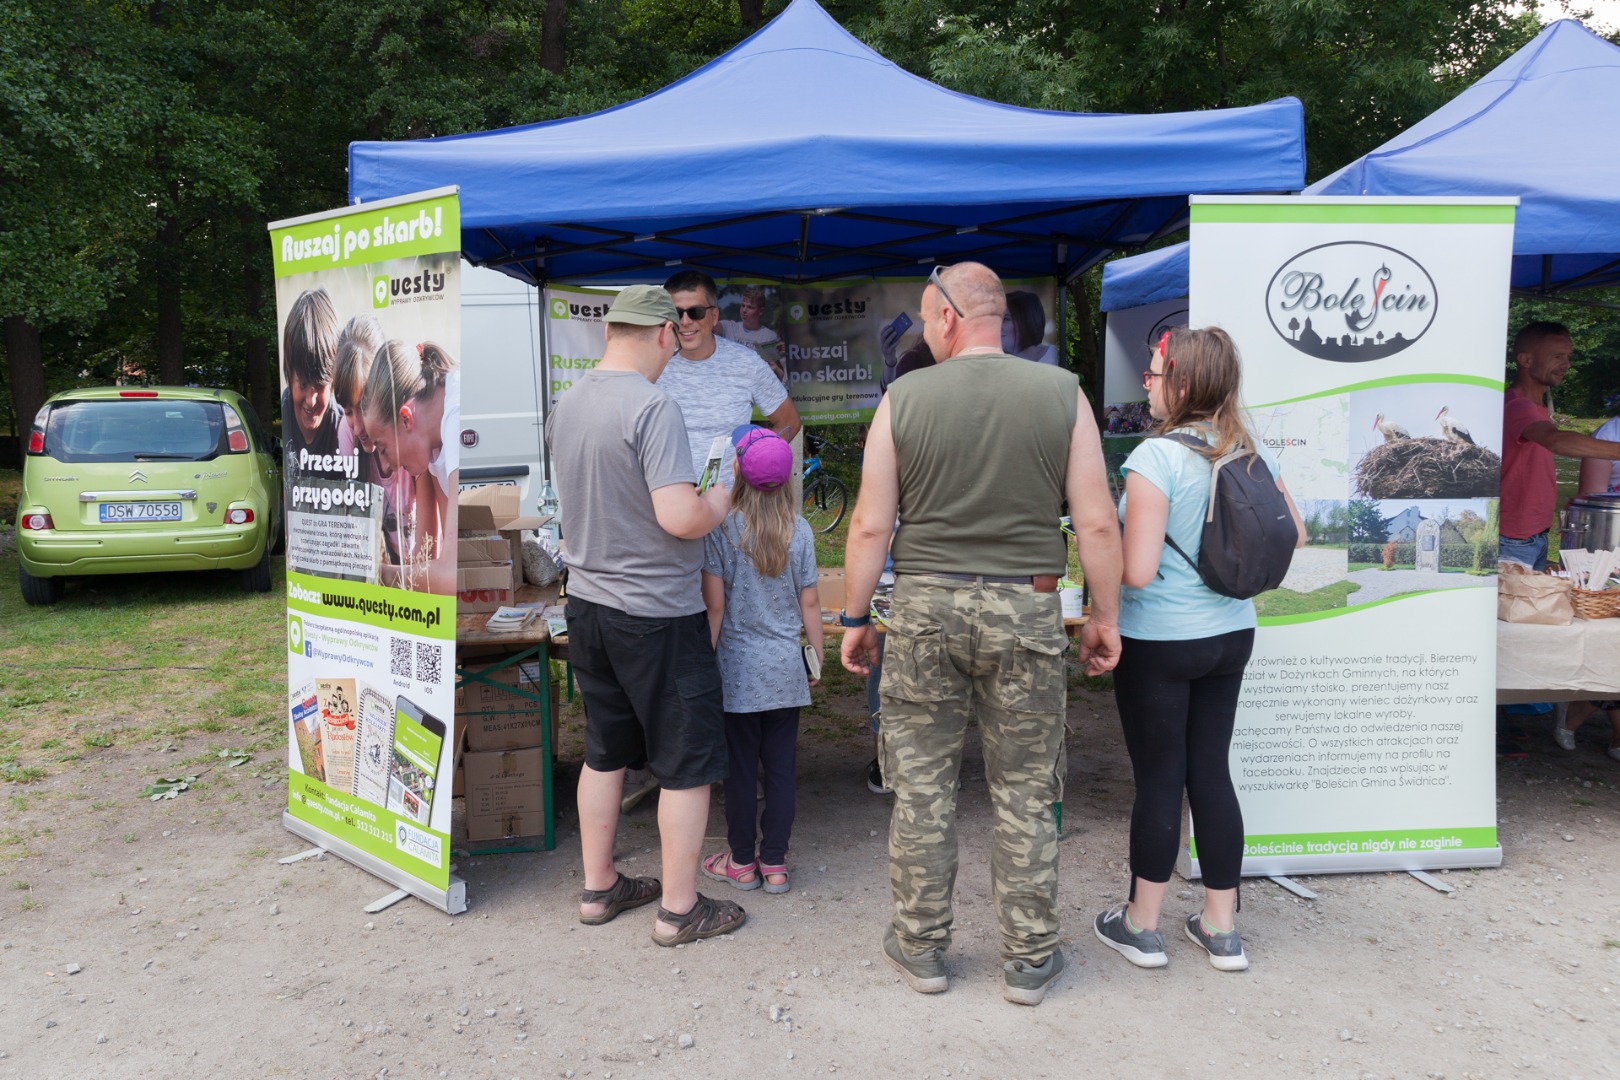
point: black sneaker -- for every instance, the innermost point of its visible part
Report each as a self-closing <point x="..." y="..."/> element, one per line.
<point x="874" y="780"/>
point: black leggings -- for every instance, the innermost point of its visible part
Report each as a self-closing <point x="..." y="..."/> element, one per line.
<point x="1177" y="703"/>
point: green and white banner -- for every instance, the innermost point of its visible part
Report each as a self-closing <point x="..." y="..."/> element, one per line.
<point x="835" y="346"/>
<point x="1371" y="334"/>
<point x="368" y="306"/>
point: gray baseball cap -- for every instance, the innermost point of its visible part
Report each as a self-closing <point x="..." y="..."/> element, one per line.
<point x="643" y="305"/>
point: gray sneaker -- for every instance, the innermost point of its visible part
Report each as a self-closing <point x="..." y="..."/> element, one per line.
<point x="1144" y="949"/>
<point x="1225" y="949"/>
<point x="1026" y="983"/>
<point x="924" y="974"/>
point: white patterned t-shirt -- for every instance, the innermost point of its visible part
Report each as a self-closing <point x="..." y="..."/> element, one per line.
<point x="718" y="394"/>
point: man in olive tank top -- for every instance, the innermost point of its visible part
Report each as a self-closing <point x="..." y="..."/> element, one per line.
<point x="977" y="455"/>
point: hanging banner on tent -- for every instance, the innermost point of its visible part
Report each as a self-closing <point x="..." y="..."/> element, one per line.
<point x="576" y="333"/>
<point x="836" y="347"/>
<point x="846" y="341"/>
<point x="368" y="303"/>
<point x="1371" y="330"/>
<point x="1129" y="337"/>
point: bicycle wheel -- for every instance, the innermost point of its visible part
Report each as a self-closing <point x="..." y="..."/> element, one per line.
<point x="824" y="502"/>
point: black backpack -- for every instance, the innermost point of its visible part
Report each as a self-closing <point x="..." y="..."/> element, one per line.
<point x="1249" y="535"/>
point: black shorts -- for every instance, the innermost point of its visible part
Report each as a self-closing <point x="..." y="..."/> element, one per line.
<point x="652" y="694"/>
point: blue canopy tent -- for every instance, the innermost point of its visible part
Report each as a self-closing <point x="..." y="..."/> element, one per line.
<point x="802" y="155"/>
<point x="1533" y="127"/>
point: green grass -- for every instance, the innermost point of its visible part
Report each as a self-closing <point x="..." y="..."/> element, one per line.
<point x="1280" y="602"/>
<point x="128" y="660"/>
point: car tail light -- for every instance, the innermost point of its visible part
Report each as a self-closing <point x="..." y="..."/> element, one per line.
<point x="235" y="436"/>
<point x="36" y="436"/>
<point x="238" y="517"/>
<point x="37" y="522"/>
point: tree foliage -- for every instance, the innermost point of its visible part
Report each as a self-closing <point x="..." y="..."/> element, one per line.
<point x="144" y="144"/>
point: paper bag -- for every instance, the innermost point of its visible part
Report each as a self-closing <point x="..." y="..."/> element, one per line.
<point x="1524" y="596"/>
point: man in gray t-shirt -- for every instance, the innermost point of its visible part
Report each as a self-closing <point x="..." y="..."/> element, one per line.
<point x="634" y="525"/>
<point x="718" y="383"/>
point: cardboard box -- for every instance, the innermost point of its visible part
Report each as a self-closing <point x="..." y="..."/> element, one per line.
<point x="486" y="509"/>
<point x="485" y="587"/>
<point x="830" y="585"/>
<point x="482" y="548"/>
<point x="498" y="718"/>
<point x="505" y="793"/>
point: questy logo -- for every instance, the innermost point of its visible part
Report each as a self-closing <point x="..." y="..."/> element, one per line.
<point x="379" y="291"/>
<point x="295" y="634"/>
<point x="1351" y="301"/>
<point x="386" y="290"/>
<point x="796" y="313"/>
<point x="562" y="308"/>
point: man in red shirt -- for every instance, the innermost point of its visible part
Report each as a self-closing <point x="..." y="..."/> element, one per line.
<point x="1530" y="439"/>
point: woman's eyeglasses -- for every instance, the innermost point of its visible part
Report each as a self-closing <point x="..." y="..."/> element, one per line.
<point x="1149" y="376"/>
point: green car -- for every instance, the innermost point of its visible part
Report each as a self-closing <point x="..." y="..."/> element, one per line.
<point x="127" y="480"/>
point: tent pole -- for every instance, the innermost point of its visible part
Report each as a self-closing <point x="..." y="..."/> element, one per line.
<point x="545" y="372"/>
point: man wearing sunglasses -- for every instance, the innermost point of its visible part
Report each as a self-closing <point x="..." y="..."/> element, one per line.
<point x="981" y="450"/>
<point x="718" y="383"/>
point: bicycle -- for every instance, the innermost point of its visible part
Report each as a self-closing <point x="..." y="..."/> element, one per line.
<point x="825" y="497"/>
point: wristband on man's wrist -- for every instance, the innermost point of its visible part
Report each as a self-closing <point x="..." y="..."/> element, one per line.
<point x="848" y="620"/>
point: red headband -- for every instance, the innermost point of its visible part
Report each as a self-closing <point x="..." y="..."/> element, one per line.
<point x="1164" y="349"/>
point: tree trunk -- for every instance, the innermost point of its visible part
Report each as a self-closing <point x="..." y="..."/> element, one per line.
<point x="1085" y="337"/>
<point x="170" y="346"/>
<point x="553" y="36"/>
<point x="261" y="372"/>
<point x="752" y="13"/>
<point x="25" y="364"/>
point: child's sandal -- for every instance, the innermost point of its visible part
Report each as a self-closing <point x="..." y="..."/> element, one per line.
<point x="767" y="872"/>
<point x="720" y="867"/>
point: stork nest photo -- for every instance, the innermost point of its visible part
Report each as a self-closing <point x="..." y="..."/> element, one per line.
<point x="1429" y="469"/>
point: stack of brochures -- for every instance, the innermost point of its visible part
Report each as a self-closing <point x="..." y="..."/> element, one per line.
<point x="512" y="618"/>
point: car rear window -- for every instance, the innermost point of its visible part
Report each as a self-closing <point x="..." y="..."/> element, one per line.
<point x="140" y="429"/>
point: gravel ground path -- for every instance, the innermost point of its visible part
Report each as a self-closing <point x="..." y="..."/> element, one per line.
<point x="1377" y="584"/>
<point x="1314" y="568"/>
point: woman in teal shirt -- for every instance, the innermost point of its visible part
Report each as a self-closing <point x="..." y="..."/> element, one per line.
<point x="1183" y="651"/>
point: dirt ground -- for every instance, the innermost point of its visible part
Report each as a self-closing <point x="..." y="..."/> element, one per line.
<point x="166" y="939"/>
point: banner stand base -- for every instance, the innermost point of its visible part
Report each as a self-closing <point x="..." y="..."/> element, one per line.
<point x="452" y="901"/>
<point x="312" y="853"/>
<point x="1431" y="881"/>
<point x="1293" y="886"/>
<point x="1413" y="862"/>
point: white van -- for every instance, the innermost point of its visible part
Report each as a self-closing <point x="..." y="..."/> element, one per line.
<point x="502" y="437"/>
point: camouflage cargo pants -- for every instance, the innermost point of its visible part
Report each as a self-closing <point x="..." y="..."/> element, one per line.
<point x="957" y="650"/>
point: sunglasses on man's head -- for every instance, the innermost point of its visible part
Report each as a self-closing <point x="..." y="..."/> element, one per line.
<point x="933" y="279"/>
<point x="694" y="313"/>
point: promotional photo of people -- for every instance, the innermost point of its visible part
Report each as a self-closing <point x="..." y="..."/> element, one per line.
<point x="370" y="448"/>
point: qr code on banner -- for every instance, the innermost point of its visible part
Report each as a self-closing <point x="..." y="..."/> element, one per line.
<point x="429" y="661"/>
<point x="399" y="660"/>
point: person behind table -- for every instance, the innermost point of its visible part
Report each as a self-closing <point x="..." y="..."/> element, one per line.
<point x="748" y="329"/>
<point x="1023" y="328"/>
<point x="310" y="420"/>
<point x="358" y="344"/>
<point x="411" y="410"/>
<point x="759" y="585"/>
<point x="718" y="383"/>
<point x="975" y="626"/>
<point x="1530" y="439"/>
<point x="638" y="634"/>
<point x="1183" y="650"/>
<point x="1598" y="476"/>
